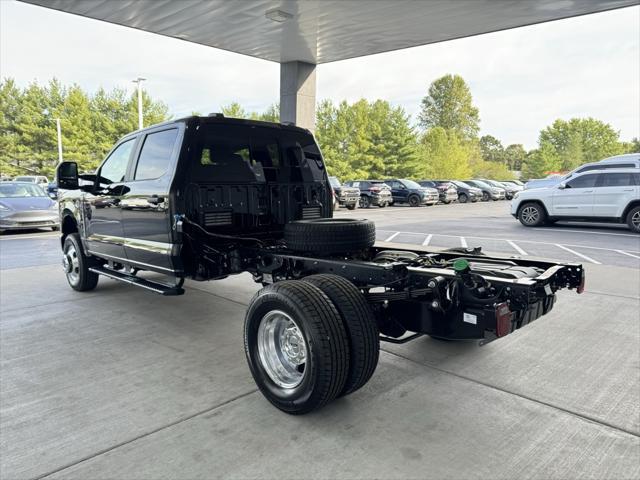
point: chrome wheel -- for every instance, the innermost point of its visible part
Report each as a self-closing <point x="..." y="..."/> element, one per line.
<point x="635" y="221"/>
<point x="71" y="264"/>
<point x="530" y="215"/>
<point x="282" y="349"/>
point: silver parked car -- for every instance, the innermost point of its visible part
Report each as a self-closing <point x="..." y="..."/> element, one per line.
<point x="26" y="205"/>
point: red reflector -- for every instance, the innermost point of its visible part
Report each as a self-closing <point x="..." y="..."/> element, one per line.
<point x="580" y="288"/>
<point x="503" y="319"/>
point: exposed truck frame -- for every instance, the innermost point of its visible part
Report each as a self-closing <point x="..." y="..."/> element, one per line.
<point x="330" y="295"/>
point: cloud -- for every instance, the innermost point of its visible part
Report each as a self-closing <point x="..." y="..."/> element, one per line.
<point x="521" y="79"/>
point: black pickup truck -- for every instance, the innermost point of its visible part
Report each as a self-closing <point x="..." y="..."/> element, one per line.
<point x="207" y="197"/>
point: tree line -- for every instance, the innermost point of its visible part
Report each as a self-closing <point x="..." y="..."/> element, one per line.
<point x="364" y="139"/>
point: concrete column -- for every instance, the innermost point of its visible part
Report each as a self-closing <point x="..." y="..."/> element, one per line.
<point x="298" y="94"/>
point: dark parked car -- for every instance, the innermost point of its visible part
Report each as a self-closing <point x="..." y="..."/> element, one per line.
<point x="489" y="192"/>
<point x="207" y="197"/>
<point x="345" y="195"/>
<point x="408" y="191"/>
<point x="372" y="192"/>
<point x="52" y="190"/>
<point x="446" y="191"/>
<point x="467" y="193"/>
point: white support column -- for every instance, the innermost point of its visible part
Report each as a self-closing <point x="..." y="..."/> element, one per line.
<point x="298" y="94"/>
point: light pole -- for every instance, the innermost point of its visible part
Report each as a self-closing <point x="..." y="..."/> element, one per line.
<point x="139" y="81"/>
<point x="59" y="130"/>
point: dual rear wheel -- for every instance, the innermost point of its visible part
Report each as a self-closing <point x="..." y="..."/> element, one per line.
<point x="310" y="341"/>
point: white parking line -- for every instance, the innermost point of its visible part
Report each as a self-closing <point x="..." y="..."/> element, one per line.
<point x="627" y="253"/>
<point x="463" y="242"/>
<point x="427" y="240"/>
<point x="392" y="237"/>
<point x="519" y="241"/>
<point x="588" y="259"/>
<point x="517" y="248"/>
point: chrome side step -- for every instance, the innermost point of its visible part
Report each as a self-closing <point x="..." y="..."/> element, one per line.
<point x="155" y="287"/>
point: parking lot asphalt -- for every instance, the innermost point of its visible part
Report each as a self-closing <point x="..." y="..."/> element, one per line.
<point x="121" y="383"/>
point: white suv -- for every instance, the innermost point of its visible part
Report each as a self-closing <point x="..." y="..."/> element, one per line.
<point x="593" y="196"/>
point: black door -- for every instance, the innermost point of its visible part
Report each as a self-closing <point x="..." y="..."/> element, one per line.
<point x="104" y="234"/>
<point x="146" y="209"/>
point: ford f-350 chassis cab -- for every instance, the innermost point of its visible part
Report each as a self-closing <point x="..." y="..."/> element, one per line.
<point x="207" y="197"/>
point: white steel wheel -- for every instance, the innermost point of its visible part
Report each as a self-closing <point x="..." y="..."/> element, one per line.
<point x="282" y="349"/>
<point x="296" y="345"/>
<point x="71" y="264"/>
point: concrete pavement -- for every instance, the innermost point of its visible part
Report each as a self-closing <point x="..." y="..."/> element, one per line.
<point x="120" y="383"/>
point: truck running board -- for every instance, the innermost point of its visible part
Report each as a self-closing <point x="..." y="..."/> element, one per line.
<point x="159" y="288"/>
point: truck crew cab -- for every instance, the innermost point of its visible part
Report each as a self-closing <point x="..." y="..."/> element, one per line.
<point x="207" y="197"/>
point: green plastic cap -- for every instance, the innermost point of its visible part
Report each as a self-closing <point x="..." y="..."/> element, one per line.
<point x="460" y="265"/>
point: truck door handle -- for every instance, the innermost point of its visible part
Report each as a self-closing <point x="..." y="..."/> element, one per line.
<point x="588" y="191"/>
<point x="155" y="199"/>
<point x="628" y="190"/>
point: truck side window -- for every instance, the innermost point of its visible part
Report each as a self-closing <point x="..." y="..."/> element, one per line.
<point x="156" y="153"/>
<point x="115" y="167"/>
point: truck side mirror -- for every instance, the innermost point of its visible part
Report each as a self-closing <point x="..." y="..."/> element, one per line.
<point x="67" y="176"/>
<point x="562" y="185"/>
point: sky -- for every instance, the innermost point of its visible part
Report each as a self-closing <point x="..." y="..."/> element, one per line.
<point x="521" y="79"/>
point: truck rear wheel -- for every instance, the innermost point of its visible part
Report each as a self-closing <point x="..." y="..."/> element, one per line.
<point x="76" y="265"/>
<point x="326" y="236"/>
<point x="360" y="323"/>
<point x="296" y="346"/>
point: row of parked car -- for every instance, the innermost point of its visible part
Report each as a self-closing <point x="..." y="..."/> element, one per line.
<point x="381" y="193"/>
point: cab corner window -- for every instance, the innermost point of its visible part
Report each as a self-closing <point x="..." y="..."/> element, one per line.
<point x="114" y="168"/>
<point x="155" y="156"/>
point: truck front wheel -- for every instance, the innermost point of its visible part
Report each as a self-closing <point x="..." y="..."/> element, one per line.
<point x="76" y="265"/>
<point x="296" y="346"/>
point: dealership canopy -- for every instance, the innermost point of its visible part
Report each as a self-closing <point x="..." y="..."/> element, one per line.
<point x="302" y="34"/>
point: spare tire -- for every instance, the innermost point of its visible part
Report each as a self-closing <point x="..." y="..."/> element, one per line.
<point x="326" y="236"/>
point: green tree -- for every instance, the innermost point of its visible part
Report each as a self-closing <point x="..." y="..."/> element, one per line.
<point x="449" y="105"/>
<point x="541" y="162"/>
<point x="234" y="110"/>
<point x="580" y="140"/>
<point x="444" y="154"/>
<point x="492" y="149"/>
<point x="366" y="140"/>
<point x="514" y="156"/>
<point x="631" y="147"/>
<point x="90" y="124"/>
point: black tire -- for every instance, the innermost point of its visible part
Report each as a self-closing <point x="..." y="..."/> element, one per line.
<point x="462" y="198"/>
<point x="326" y="236"/>
<point x="633" y="219"/>
<point x="382" y="205"/>
<point x="351" y="207"/>
<point x="532" y="214"/>
<point x="365" y="201"/>
<point x="485" y="197"/>
<point x="326" y="361"/>
<point x="414" y="200"/>
<point x="77" y="265"/>
<point x="360" y="323"/>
